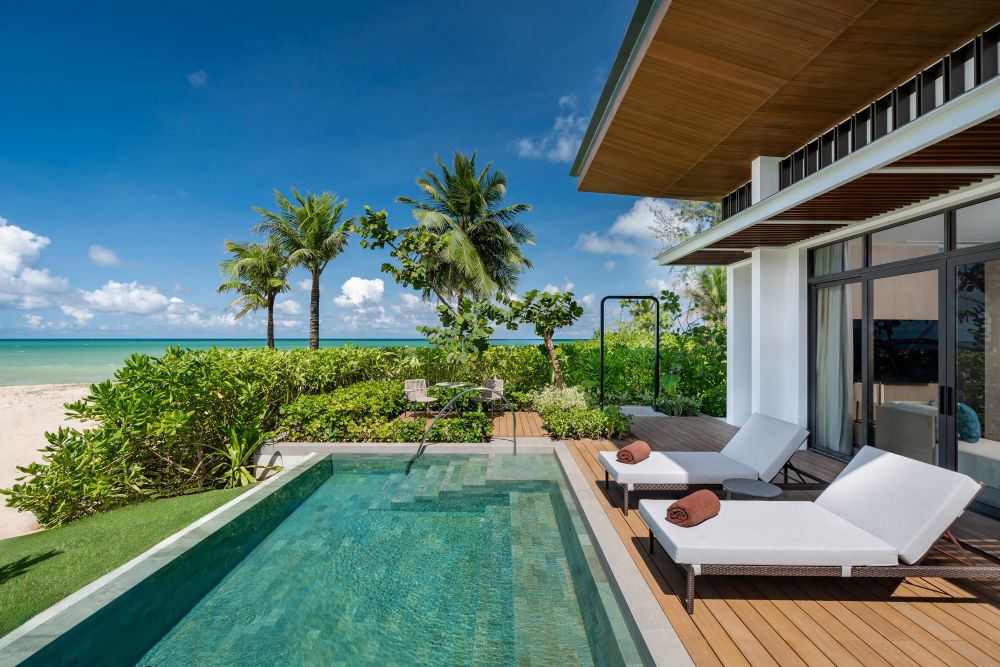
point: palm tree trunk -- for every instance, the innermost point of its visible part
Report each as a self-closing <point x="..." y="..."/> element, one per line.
<point x="314" y="313"/>
<point x="270" y="320"/>
<point x="554" y="360"/>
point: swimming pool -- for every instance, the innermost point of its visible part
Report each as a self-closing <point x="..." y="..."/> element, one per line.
<point x="471" y="559"/>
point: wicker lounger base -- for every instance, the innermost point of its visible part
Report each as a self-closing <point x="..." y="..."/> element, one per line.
<point x="991" y="572"/>
<point x="816" y="485"/>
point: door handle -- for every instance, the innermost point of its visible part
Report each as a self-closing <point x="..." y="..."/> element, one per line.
<point x="942" y="400"/>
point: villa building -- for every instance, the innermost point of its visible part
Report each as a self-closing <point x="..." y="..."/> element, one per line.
<point x="854" y="146"/>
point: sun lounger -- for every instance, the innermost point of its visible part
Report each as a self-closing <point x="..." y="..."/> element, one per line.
<point x="878" y="518"/>
<point x="758" y="450"/>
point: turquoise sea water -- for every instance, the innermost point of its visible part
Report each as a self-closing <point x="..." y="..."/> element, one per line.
<point x="467" y="561"/>
<point x="24" y="361"/>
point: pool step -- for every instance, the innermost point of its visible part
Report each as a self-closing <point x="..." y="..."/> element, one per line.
<point x="494" y="638"/>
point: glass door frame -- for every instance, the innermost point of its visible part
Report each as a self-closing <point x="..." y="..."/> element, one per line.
<point x="970" y="256"/>
<point x="867" y="277"/>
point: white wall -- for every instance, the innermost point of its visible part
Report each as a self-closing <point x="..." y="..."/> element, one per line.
<point x="738" y="348"/>
<point x="772" y="309"/>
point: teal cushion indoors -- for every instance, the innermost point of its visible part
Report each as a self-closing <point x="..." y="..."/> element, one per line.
<point x="967" y="423"/>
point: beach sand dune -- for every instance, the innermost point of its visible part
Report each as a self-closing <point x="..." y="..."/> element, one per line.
<point x="26" y="413"/>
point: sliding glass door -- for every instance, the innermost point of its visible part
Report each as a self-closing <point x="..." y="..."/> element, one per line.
<point x="904" y="338"/>
<point x="905" y="343"/>
<point x="973" y="406"/>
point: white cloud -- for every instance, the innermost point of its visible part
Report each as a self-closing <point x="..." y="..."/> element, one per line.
<point x="21" y="284"/>
<point x="555" y="289"/>
<point x="638" y="221"/>
<point x="33" y="302"/>
<point x="368" y="318"/>
<point x="659" y="284"/>
<point x="181" y="313"/>
<point x="18" y="248"/>
<point x="132" y="298"/>
<point x="80" y="315"/>
<point x="288" y="307"/>
<point x="610" y="265"/>
<point x="562" y="142"/>
<point x="587" y="300"/>
<point x="33" y="321"/>
<point x="198" y="78"/>
<point x="359" y="292"/>
<point x="102" y="256"/>
<point x="305" y="284"/>
<point x="287" y="324"/>
<point x="593" y="242"/>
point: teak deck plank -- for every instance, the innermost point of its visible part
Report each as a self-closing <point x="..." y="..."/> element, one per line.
<point x="805" y="621"/>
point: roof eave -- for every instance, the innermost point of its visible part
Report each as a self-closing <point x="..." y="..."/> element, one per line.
<point x="638" y="28"/>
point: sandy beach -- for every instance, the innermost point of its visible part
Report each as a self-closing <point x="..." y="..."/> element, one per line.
<point x="26" y="413"/>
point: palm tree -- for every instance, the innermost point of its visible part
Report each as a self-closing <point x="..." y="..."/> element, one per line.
<point x="483" y="253"/>
<point x="707" y="293"/>
<point x="257" y="272"/>
<point x="311" y="233"/>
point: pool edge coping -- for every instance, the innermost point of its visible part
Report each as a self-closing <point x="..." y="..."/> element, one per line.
<point x="659" y="638"/>
<point x="85" y="602"/>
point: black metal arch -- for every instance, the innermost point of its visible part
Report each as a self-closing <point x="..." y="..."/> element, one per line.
<point x="656" y="342"/>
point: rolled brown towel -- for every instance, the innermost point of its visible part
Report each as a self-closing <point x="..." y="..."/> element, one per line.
<point x="637" y="451"/>
<point x="694" y="508"/>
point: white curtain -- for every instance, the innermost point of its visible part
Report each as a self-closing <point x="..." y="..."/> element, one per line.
<point x="834" y="356"/>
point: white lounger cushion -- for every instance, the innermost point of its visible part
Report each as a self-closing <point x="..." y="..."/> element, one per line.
<point x="765" y="444"/>
<point x="758" y="450"/>
<point x="906" y="503"/>
<point x="676" y="468"/>
<point x="760" y="532"/>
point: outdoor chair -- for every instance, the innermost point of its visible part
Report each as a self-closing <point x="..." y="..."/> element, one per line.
<point x="491" y="398"/>
<point x="878" y="518"/>
<point x="759" y="450"/>
<point x="416" y="393"/>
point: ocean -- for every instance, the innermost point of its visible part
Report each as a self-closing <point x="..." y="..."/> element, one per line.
<point x="38" y="361"/>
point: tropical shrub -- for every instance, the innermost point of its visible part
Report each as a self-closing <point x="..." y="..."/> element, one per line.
<point x="343" y="412"/>
<point x="692" y="363"/>
<point x="610" y="422"/>
<point x="163" y="428"/>
<point x="676" y="405"/>
<point x="553" y="398"/>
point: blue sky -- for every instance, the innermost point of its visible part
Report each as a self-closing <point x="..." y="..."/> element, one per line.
<point x="133" y="142"/>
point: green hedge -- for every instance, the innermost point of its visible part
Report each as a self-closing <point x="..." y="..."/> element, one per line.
<point x="610" y="422"/>
<point x="184" y="422"/>
<point x="368" y="412"/>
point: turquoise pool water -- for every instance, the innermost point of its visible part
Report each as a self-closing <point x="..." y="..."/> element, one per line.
<point x="469" y="560"/>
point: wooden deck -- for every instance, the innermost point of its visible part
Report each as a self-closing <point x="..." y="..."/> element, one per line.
<point x="529" y="425"/>
<point x="799" y="621"/>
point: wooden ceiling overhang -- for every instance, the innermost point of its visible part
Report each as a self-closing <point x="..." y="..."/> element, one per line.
<point x="709" y="85"/>
<point x="959" y="161"/>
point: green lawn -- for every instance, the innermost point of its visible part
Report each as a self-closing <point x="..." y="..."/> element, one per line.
<point x="38" y="570"/>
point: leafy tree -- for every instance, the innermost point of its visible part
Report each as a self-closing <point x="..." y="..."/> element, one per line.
<point x="644" y="317"/>
<point x="707" y="293"/>
<point x="310" y="232"/>
<point x="478" y="246"/>
<point x="257" y="272"/>
<point x="547" y="312"/>
<point x="686" y="219"/>
<point x="464" y="333"/>
<point x="416" y="251"/>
